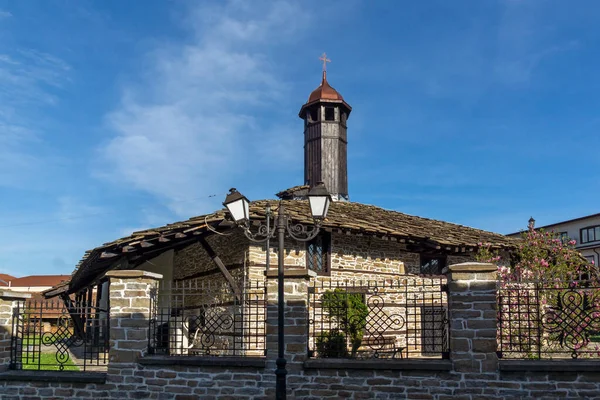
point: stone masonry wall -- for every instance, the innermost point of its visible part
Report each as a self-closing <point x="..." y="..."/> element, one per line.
<point x="368" y="257"/>
<point x="352" y="257"/>
<point x="232" y="383"/>
<point x="130" y="293"/>
<point x="473" y="371"/>
<point x="8" y="302"/>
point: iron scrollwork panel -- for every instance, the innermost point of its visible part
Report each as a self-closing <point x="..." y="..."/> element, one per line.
<point x="573" y="319"/>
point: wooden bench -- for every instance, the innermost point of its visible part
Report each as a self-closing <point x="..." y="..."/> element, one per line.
<point x="379" y="345"/>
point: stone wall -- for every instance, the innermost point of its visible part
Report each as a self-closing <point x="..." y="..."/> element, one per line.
<point x="472" y="372"/>
<point x="130" y="293"/>
<point x="295" y="255"/>
<point x="232" y="383"/>
<point x="368" y="257"/>
<point x="8" y="302"/>
<point x="352" y="257"/>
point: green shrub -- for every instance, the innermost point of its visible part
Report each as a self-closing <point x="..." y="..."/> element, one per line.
<point x="349" y="312"/>
<point x="332" y="344"/>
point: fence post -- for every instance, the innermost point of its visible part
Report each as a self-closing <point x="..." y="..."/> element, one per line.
<point x="130" y="292"/>
<point x="296" y="324"/>
<point x="8" y="301"/>
<point x="472" y="308"/>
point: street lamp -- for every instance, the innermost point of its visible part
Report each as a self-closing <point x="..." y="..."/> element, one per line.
<point x="238" y="206"/>
<point x="531" y="224"/>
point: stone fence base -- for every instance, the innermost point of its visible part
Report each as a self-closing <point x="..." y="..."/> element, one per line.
<point x="229" y="383"/>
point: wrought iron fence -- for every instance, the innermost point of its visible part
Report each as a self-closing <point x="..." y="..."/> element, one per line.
<point x="544" y="320"/>
<point x="58" y="335"/>
<point x="206" y="318"/>
<point x="401" y="318"/>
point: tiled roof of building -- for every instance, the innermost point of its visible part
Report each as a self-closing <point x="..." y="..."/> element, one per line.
<point x="345" y="216"/>
<point x="39" y="280"/>
<point x="5" y="278"/>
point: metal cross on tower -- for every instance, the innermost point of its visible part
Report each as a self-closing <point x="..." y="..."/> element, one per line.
<point x="325" y="61"/>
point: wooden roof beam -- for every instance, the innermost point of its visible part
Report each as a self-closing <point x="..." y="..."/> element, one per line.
<point x="128" y="249"/>
<point x="217" y="260"/>
<point x="108" y="254"/>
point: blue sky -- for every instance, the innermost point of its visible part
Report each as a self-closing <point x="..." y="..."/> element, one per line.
<point x="117" y="116"/>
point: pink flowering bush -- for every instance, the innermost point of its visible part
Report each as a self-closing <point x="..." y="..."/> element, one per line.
<point x="540" y="255"/>
<point x="545" y="285"/>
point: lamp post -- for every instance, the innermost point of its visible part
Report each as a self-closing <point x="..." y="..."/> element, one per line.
<point x="239" y="208"/>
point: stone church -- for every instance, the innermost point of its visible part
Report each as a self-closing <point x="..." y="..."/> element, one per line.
<point x="207" y="259"/>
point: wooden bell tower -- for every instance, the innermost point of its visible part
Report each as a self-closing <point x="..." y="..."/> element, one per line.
<point x="325" y="138"/>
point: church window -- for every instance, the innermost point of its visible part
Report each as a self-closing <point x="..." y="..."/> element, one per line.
<point x="312" y="115"/>
<point x="432" y="265"/>
<point x="329" y="114"/>
<point x="318" y="254"/>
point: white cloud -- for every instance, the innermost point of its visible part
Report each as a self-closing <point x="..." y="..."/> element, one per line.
<point x="28" y="79"/>
<point x="184" y="129"/>
<point x="5" y="14"/>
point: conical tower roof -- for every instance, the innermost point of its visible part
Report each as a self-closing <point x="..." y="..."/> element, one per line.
<point x="324" y="91"/>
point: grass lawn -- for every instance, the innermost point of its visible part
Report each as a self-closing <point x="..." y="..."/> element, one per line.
<point x="47" y="362"/>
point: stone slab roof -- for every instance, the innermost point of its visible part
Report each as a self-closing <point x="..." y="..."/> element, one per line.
<point x="288" y="194"/>
<point x="353" y="218"/>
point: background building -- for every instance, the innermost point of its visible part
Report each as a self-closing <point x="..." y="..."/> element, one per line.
<point x="31" y="283"/>
<point x="584" y="230"/>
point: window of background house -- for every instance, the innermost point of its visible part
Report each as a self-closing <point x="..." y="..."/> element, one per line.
<point x="318" y="255"/>
<point x="564" y="237"/>
<point x="432" y="265"/>
<point x="590" y="234"/>
<point x="329" y="114"/>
